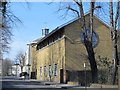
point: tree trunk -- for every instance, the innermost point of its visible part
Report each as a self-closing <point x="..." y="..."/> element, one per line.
<point x="116" y="62"/>
<point x="92" y="61"/>
<point x="89" y="46"/>
<point x="88" y="40"/>
<point x="114" y="41"/>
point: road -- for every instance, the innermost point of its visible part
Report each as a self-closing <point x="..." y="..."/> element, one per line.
<point x="13" y="83"/>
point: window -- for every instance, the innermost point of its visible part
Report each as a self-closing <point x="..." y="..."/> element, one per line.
<point x="44" y="70"/>
<point x="55" y="70"/>
<point x="50" y="70"/>
<point x="40" y="71"/>
<point x="94" y="37"/>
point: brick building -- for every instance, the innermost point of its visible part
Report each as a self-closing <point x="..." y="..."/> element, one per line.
<point x="60" y="55"/>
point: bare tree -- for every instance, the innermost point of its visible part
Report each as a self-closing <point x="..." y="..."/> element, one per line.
<point x="88" y="38"/>
<point x="20" y="58"/>
<point x="6" y="67"/>
<point x="87" y="35"/>
<point x="113" y="29"/>
<point x="7" y="22"/>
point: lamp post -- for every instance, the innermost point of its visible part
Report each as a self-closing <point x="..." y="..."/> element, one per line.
<point x="85" y="76"/>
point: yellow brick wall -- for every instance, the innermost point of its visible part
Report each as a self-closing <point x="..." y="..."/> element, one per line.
<point x="33" y="58"/>
<point x="104" y="46"/>
<point x="69" y="53"/>
<point x="50" y="55"/>
<point x="76" y="54"/>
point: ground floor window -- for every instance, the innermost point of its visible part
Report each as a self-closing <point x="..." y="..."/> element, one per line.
<point x="55" y="69"/>
<point x="44" y="70"/>
<point x="40" y="71"/>
<point x="50" y="70"/>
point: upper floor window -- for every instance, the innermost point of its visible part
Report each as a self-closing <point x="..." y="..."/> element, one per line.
<point x="54" y="37"/>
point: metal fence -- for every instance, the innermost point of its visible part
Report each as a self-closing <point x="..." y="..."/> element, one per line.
<point x="83" y="77"/>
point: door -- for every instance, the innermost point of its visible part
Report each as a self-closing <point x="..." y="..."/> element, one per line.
<point x="61" y="76"/>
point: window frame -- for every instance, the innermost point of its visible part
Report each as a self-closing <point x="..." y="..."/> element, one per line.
<point x="45" y="70"/>
<point x="55" y="69"/>
<point x="40" y="71"/>
<point x="94" y="41"/>
<point x="50" y="70"/>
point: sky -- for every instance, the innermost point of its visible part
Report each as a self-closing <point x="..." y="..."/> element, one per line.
<point x="38" y="15"/>
<point x="34" y="17"/>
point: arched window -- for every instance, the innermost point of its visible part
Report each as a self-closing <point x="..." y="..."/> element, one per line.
<point x="94" y="37"/>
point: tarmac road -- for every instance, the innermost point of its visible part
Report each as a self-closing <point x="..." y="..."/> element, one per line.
<point x="13" y="83"/>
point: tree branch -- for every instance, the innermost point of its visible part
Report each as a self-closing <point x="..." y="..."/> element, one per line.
<point x="77" y="2"/>
<point x="69" y="8"/>
<point x="116" y="17"/>
<point x="92" y="4"/>
<point x="111" y="20"/>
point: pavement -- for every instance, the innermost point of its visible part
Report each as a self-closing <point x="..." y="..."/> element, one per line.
<point x="13" y="83"/>
<point x="18" y="83"/>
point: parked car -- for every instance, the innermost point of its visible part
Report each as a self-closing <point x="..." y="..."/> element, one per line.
<point x="24" y="75"/>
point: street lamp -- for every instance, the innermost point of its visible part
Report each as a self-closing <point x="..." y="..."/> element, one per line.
<point x="85" y="76"/>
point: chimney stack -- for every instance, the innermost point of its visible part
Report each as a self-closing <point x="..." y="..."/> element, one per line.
<point x="45" y="31"/>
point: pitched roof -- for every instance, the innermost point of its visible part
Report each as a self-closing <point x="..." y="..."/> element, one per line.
<point x="65" y="24"/>
<point x="57" y="28"/>
<point x="35" y="41"/>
